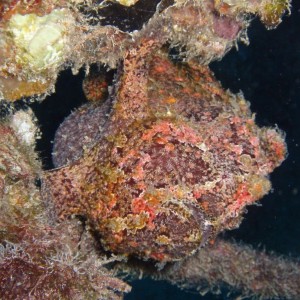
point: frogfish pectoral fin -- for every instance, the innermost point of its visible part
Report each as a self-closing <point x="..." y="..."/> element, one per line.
<point x="60" y="191"/>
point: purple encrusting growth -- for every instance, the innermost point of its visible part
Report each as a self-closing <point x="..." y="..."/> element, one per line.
<point x="226" y="28"/>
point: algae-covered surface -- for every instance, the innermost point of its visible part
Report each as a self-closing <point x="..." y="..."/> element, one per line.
<point x="268" y="73"/>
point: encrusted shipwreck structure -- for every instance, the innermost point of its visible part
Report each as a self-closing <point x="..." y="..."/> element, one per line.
<point x="153" y="168"/>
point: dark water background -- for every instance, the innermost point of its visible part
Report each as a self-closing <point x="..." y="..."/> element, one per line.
<point x="268" y="73"/>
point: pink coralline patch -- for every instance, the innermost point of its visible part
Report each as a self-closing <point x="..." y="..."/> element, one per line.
<point x="140" y="205"/>
<point x="175" y="163"/>
<point x="183" y="133"/>
<point x="242" y="195"/>
<point x="226" y="28"/>
<point x="276" y="144"/>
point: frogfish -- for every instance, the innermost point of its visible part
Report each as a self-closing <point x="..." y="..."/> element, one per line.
<point x="166" y="163"/>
